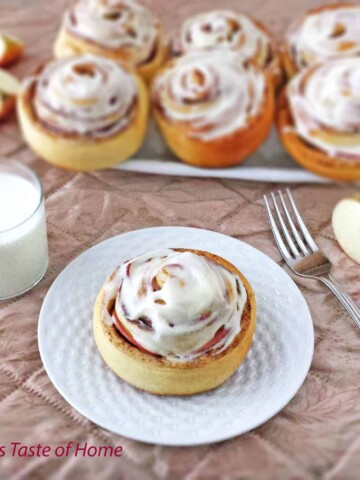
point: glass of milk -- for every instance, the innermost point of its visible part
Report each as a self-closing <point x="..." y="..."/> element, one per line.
<point x="23" y="237"/>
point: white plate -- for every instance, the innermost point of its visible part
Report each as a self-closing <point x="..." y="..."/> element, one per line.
<point x="273" y="371"/>
<point x="270" y="163"/>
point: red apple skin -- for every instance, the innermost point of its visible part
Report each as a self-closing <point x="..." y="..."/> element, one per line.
<point x="7" y="105"/>
<point x="219" y="335"/>
<point x="127" y="335"/>
<point x="13" y="50"/>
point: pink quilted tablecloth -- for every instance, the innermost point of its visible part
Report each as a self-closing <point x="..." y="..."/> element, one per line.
<point x="317" y="436"/>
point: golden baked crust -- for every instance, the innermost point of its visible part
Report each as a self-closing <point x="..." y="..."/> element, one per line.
<point x="307" y="155"/>
<point x="158" y="375"/>
<point x="67" y="44"/>
<point x="83" y="153"/>
<point x="275" y="66"/>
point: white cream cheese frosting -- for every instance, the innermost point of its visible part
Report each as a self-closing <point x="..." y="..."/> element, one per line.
<point x="325" y="34"/>
<point x="177" y="304"/>
<point x="86" y="95"/>
<point x="325" y="106"/>
<point x="115" y="24"/>
<point x="214" y="93"/>
<point x="225" y="29"/>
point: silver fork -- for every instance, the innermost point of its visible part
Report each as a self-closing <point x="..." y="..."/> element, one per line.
<point x="300" y="252"/>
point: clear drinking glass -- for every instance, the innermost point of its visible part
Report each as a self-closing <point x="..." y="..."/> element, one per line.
<point x="23" y="245"/>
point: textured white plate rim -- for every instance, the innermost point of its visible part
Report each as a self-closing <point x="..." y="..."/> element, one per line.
<point x="215" y="438"/>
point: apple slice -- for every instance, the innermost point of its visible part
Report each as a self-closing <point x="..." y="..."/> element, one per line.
<point x="346" y="226"/>
<point x="10" y="49"/>
<point x="126" y="334"/>
<point x="9" y="87"/>
<point x="8" y="83"/>
<point x="219" y="335"/>
<point x="7" y="105"/>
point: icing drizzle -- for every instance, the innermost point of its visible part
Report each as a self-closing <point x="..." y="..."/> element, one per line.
<point x="214" y="93"/>
<point x="325" y="106"/>
<point x="86" y="95"/>
<point x="177" y="304"/>
<point x="115" y="24"/>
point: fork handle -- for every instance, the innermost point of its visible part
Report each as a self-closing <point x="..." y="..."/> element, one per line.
<point x="343" y="298"/>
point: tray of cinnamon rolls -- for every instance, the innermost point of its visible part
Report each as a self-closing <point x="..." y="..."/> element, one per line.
<point x="220" y="96"/>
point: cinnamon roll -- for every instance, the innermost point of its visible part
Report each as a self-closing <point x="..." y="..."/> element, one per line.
<point x="84" y="113"/>
<point x="122" y="30"/>
<point x="214" y="108"/>
<point x="321" y="35"/>
<point x="175" y="321"/>
<point x="319" y="118"/>
<point x="234" y="31"/>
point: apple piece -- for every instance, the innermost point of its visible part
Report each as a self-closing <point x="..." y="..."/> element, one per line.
<point x="161" y="278"/>
<point x="9" y="87"/>
<point x="10" y="49"/>
<point x="7" y="105"/>
<point x="346" y="226"/>
<point x="126" y="334"/>
<point x="8" y="83"/>
<point x="219" y="335"/>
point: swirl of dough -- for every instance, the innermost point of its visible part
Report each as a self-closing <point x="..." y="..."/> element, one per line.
<point x="85" y="95"/>
<point x="177" y="304"/>
<point x="224" y="28"/>
<point x="213" y="94"/>
<point x="116" y="25"/>
<point x="325" y="106"/>
<point x="323" y="34"/>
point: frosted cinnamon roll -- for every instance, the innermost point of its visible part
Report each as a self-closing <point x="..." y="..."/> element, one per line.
<point x="321" y="35"/>
<point x="214" y="108"/>
<point x="175" y="321"/>
<point x="122" y="30"/>
<point x="234" y="31"/>
<point x="84" y="112"/>
<point x="319" y="118"/>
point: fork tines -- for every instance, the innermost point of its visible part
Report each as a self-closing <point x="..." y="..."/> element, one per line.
<point x="291" y="235"/>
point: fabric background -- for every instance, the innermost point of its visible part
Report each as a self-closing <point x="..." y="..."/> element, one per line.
<point x="317" y="436"/>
